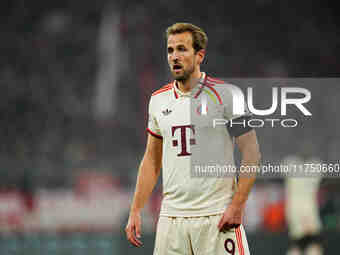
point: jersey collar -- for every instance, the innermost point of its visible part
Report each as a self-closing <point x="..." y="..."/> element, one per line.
<point x="194" y="92"/>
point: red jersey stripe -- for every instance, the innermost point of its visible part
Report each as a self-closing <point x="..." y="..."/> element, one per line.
<point x="218" y="81"/>
<point x="176" y="96"/>
<point x="154" y="134"/>
<point x="215" y="92"/>
<point x="239" y="240"/>
<point x="161" y="90"/>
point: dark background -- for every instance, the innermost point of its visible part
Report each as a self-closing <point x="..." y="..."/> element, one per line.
<point x="76" y="76"/>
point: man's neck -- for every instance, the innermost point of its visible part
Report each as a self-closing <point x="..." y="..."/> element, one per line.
<point x="189" y="84"/>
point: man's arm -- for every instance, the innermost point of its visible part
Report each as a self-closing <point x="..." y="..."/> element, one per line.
<point x="249" y="148"/>
<point x="148" y="173"/>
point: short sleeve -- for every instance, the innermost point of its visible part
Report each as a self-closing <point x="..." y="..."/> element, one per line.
<point x="153" y="127"/>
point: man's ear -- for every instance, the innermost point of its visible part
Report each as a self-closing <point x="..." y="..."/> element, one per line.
<point x="201" y="55"/>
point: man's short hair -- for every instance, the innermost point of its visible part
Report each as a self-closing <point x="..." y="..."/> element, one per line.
<point x="199" y="37"/>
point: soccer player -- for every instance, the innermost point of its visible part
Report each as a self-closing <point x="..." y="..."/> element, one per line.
<point x="302" y="210"/>
<point x="199" y="215"/>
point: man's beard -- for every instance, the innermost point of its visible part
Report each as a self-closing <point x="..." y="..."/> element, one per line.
<point x="185" y="76"/>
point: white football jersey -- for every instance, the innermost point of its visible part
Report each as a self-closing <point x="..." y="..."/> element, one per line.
<point x="193" y="147"/>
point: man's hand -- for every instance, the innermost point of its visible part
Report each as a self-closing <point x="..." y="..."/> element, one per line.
<point x="231" y="218"/>
<point x="133" y="229"/>
<point x="148" y="174"/>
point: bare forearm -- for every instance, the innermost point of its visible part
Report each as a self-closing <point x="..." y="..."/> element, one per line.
<point x="248" y="146"/>
<point x="147" y="178"/>
<point x="251" y="156"/>
<point x="244" y="187"/>
<point x="246" y="180"/>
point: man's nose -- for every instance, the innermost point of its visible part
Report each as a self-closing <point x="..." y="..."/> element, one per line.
<point x="175" y="56"/>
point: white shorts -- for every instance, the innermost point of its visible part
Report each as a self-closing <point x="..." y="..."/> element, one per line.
<point x="198" y="236"/>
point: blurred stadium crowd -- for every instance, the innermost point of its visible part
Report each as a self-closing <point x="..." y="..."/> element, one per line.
<point x="76" y="77"/>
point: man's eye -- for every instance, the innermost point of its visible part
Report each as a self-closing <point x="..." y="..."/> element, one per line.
<point x="170" y="50"/>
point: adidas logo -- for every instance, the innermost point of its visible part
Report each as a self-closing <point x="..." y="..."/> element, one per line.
<point x="166" y="112"/>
